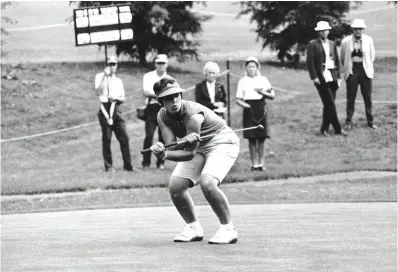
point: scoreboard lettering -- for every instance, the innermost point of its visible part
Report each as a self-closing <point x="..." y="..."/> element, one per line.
<point x="100" y="25"/>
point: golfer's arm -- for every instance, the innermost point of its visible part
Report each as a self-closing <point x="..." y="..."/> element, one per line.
<point x="167" y="133"/>
<point x="186" y="154"/>
<point x="168" y="136"/>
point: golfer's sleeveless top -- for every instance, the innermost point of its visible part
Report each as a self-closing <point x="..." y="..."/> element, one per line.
<point x="212" y="123"/>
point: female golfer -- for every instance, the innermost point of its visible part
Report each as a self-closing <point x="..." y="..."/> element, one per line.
<point x="206" y="162"/>
<point x="252" y="91"/>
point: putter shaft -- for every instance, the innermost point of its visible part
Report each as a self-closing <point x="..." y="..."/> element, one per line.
<point x="205" y="137"/>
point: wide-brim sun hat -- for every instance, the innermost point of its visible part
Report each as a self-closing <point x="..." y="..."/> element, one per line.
<point x="253" y="59"/>
<point x="171" y="88"/>
<point x="358" y="23"/>
<point x="322" y="25"/>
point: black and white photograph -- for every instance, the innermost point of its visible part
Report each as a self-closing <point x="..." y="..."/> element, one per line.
<point x="199" y="136"/>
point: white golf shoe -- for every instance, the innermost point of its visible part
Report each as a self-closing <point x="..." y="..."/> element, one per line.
<point x="190" y="234"/>
<point x="224" y="236"/>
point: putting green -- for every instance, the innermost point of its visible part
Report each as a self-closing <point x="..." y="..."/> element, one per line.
<point x="299" y="237"/>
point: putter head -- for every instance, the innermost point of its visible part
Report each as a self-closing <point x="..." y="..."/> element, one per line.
<point x="260" y="127"/>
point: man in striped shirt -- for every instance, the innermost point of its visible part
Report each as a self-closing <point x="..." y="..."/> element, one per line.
<point x="153" y="107"/>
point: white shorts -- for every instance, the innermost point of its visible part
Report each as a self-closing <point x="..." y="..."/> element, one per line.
<point x="214" y="158"/>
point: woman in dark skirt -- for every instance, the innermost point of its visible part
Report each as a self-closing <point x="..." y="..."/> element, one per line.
<point x="253" y="90"/>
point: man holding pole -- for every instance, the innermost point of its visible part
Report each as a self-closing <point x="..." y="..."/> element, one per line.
<point x="111" y="94"/>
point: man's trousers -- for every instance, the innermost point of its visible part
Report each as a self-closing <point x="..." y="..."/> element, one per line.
<point x="119" y="127"/>
<point x="359" y="77"/>
<point x="327" y="93"/>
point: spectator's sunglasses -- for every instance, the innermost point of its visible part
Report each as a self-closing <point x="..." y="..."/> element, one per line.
<point x="161" y="63"/>
<point x="112" y="64"/>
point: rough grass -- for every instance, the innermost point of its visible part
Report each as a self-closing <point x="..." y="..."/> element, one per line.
<point x="71" y="161"/>
<point x="359" y="190"/>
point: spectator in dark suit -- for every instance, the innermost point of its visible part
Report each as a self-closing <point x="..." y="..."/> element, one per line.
<point x="210" y="93"/>
<point x="323" y="67"/>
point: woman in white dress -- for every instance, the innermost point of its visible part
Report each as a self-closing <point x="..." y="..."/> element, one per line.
<point x="252" y="92"/>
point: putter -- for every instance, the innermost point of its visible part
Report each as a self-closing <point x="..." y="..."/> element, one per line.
<point x="205" y="137"/>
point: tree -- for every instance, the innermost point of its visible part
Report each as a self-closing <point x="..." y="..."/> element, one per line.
<point x="168" y="27"/>
<point x="5" y="20"/>
<point x="284" y="25"/>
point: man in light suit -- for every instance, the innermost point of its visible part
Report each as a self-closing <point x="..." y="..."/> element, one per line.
<point x="210" y="93"/>
<point x="323" y="67"/>
<point x="357" y="57"/>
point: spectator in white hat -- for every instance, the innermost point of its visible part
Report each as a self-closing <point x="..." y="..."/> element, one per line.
<point x="357" y="57"/>
<point x="153" y="107"/>
<point x="110" y="90"/>
<point x="323" y="67"/>
<point x="252" y="92"/>
<point x="209" y="92"/>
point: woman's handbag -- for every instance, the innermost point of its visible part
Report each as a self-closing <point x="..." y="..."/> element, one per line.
<point x="142" y="112"/>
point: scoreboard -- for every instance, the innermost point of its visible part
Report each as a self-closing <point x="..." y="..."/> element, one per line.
<point x="102" y="25"/>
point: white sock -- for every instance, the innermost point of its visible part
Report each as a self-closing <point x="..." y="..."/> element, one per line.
<point x="256" y="165"/>
<point x="194" y="225"/>
<point x="229" y="226"/>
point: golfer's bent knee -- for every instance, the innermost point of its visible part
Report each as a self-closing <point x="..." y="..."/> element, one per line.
<point x="208" y="183"/>
<point x="177" y="186"/>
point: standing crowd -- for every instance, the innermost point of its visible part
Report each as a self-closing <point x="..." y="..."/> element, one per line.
<point x="355" y="61"/>
<point x="210" y="147"/>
